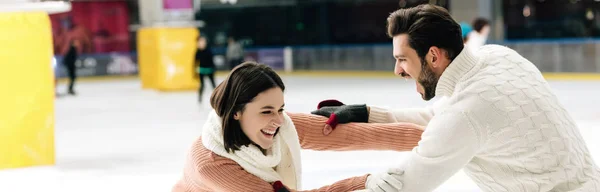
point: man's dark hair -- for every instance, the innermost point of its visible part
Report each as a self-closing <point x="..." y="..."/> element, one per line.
<point x="427" y="25"/>
<point x="244" y="83"/>
<point x="479" y="23"/>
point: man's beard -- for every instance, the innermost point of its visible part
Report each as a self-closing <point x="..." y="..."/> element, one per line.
<point x="428" y="80"/>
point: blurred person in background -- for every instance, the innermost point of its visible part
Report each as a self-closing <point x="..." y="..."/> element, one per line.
<point x="249" y="143"/>
<point x="70" y="54"/>
<point x="204" y="65"/>
<point x="235" y="52"/>
<point x="71" y="41"/>
<point x="478" y="37"/>
<point x="496" y="117"/>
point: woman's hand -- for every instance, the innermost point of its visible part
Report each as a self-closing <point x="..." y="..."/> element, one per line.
<point x="279" y="187"/>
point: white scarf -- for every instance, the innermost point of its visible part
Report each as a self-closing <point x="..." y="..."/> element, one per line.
<point x="252" y="159"/>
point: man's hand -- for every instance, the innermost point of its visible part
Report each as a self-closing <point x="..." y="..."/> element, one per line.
<point x="384" y="182"/>
<point x="338" y="113"/>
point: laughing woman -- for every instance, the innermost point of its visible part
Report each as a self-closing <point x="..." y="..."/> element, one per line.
<point x="249" y="143"/>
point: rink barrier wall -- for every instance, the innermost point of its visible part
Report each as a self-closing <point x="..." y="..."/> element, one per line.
<point x="345" y="74"/>
<point x="567" y="59"/>
<point x="27" y="98"/>
<point x="568" y="56"/>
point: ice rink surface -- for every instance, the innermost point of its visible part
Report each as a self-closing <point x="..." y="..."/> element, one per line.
<point x="113" y="136"/>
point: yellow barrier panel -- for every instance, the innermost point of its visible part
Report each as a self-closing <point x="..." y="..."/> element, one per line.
<point x="166" y="58"/>
<point x="147" y="57"/>
<point x="27" y="90"/>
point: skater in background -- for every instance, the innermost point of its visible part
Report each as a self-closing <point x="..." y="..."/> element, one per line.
<point x="204" y="65"/>
<point x="235" y="52"/>
<point x="479" y="35"/>
<point x="496" y="116"/>
<point x="73" y="48"/>
<point x="249" y="143"/>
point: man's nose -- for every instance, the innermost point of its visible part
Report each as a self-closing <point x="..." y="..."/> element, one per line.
<point x="399" y="71"/>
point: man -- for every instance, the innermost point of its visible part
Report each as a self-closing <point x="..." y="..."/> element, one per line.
<point x="499" y="119"/>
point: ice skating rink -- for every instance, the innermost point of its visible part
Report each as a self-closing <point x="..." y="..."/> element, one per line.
<point x="116" y="137"/>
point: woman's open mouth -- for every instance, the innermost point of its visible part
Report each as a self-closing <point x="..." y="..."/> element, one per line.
<point x="268" y="133"/>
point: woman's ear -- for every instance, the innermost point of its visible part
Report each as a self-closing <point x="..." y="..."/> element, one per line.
<point x="236" y="116"/>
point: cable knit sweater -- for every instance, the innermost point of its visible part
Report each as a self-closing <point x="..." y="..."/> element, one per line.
<point x="502" y="123"/>
<point x="206" y="171"/>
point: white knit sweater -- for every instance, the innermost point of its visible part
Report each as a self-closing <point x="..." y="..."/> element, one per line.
<point x="502" y="123"/>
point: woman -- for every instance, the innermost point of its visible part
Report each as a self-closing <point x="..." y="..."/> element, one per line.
<point x="248" y="143"/>
<point x="204" y="65"/>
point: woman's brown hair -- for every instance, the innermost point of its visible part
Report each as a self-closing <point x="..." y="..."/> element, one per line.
<point x="240" y="87"/>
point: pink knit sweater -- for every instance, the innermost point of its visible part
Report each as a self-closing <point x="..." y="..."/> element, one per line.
<point x="206" y="171"/>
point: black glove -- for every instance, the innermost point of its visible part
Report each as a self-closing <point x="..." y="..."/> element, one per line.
<point x="338" y="113"/>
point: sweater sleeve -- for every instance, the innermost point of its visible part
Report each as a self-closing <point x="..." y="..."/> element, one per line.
<point x="227" y="175"/>
<point x="450" y="141"/>
<point x="207" y="171"/>
<point x="350" y="184"/>
<point x="419" y="116"/>
<point x="355" y="136"/>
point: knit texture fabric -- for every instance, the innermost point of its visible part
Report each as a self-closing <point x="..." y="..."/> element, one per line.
<point x="283" y="164"/>
<point x="502" y="123"/>
<point x="206" y="171"/>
